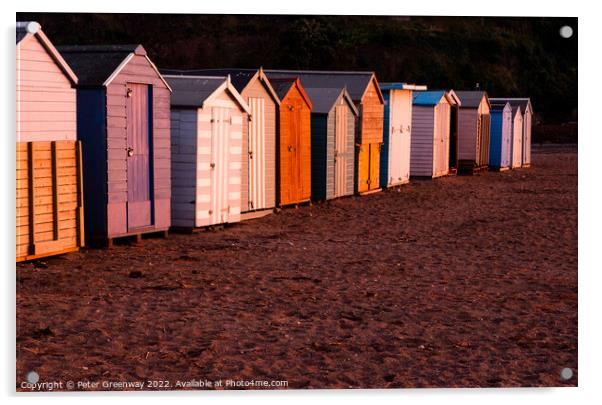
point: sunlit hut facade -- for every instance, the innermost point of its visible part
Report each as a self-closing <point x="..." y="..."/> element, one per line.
<point x="294" y="141"/>
<point x="430" y="145"/>
<point x="123" y="124"/>
<point x="333" y="119"/>
<point x="500" y="144"/>
<point x="397" y="133"/>
<point x="367" y="97"/>
<point x="259" y="129"/>
<point x="206" y="135"/>
<point x="49" y="205"/>
<point x="473" y="130"/>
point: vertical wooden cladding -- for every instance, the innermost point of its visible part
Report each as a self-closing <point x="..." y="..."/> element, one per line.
<point x="295" y="148"/>
<point x="527" y="128"/>
<point x="49" y="198"/>
<point x="370" y="139"/>
<point x="258" y="182"/>
<point x="395" y="153"/>
<point x="500" y="136"/>
<point x="517" y="137"/>
<point x="473" y="129"/>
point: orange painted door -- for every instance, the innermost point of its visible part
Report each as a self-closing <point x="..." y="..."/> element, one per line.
<point x="363" y="168"/>
<point x="374" y="166"/>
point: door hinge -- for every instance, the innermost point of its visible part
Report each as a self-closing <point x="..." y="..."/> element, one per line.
<point x="212" y="165"/>
<point x="210" y="212"/>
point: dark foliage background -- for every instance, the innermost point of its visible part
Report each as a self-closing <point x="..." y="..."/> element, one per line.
<point x="506" y="56"/>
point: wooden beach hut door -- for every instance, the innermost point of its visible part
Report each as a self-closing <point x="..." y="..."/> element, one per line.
<point x="293" y="157"/>
<point x="220" y="162"/>
<point x="257" y="153"/>
<point x="340" y="154"/>
<point x="138" y="156"/>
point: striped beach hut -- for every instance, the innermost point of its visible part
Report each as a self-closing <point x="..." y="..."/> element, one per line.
<point x="431" y="117"/>
<point x="397" y="133"/>
<point x="500" y="144"/>
<point x="368" y="99"/>
<point x="49" y="205"/>
<point x="332" y="142"/>
<point x="123" y="124"/>
<point x="258" y="175"/>
<point x="473" y="130"/>
<point x="206" y="150"/>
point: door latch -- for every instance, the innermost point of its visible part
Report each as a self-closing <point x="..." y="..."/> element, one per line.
<point x="130" y="151"/>
<point x="212" y="165"/>
<point x="290" y="148"/>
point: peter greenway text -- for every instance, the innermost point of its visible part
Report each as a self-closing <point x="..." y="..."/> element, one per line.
<point x="152" y="385"/>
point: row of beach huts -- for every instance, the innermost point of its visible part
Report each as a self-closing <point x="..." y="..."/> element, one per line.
<point x="110" y="146"/>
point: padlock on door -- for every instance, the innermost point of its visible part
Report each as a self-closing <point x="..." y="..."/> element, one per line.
<point x="130" y="151"/>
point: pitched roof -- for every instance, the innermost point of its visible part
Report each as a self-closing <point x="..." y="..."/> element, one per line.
<point x="192" y="91"/>
<point x="27" y="29"/>
<point x="428" y="98"/>
<point x="323" y="99"/>
<point x="401" y="86"/>
<point x="355" y="82"/>
<point x="284" y="84"/>
<point x="523" y="102"/>
<point x="94" y="64"/>
<point x="499" y="105"/>
<point x="471" y="99"/>
<point x="240" y="78"/>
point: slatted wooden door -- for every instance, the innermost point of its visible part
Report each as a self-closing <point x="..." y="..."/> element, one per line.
<point x="138" y="156"/>
<point x="394" y="163"/>
<point x="294" y="150"/>
<point x="373" y="182"/>
<point x="257" y="154"/>
<point x="220" y="162"/>
<point x="340" y="153"/>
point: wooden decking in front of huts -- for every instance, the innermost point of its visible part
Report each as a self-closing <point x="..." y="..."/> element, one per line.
<point x="526" y="109"/>
<point x="473" y="130"/>
<point x="397" y="133"/>
<point x="206" y="150"/>
<point x="500" y="146"/>
<point x="123" y="124"/>
<point x="332" y="142"/>
<point x="259" y="130"/>
<point x="294" y="141"/>
<point x="49" y="204"/>
<point x="430" y="147"/>
<point x="365" y="93"/>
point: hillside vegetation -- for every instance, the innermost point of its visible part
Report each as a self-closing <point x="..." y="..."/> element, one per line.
<point x="505" y="56"/>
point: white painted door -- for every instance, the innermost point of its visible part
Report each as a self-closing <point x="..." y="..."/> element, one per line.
<point x="257" y="154"/>
<point x="220" y="162"/>
<point x="395" y="136"/>
<point x="406" y="136"/>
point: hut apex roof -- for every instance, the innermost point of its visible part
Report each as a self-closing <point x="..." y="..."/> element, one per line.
<point x="471" y="99"/>
<point x="323" y="99"/>
<point x="523" y="103"/>
<point x="97" y="65"/>
<point x="239" y="77"/>
<point x="194" y="91"/>
<point x="355" y="82"/>
<point x="499" y="105"/>
<point x="27" y="29"/>
<point x="428" y="98"/>
<point x="401" y="86"/>
<point x="283" y="85"/>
